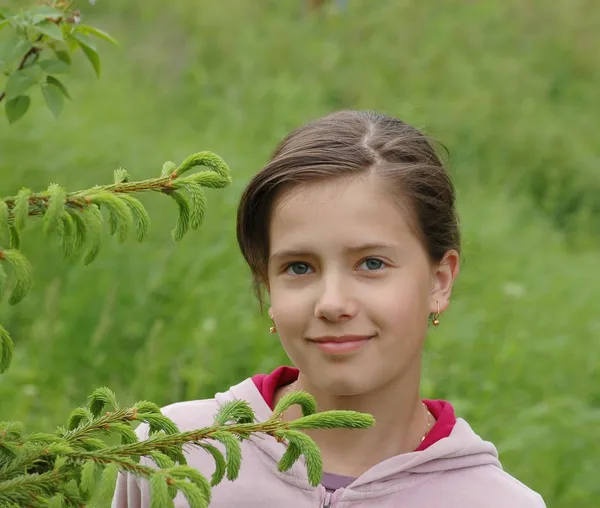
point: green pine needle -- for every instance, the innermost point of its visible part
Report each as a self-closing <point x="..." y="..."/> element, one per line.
<point x="289" y="457"/>
<point x="233" y="453"/>
<point x="94" y="223"/>
<point x="3" y="280"/>
<point x="4" y="223"/>
<point x="159" y="492"/>
<point x="183" y="219"/>
<point x="15" y="237"/>
<point x="21" y="273"/>
<point x="314" y="461"/>
<point x="198" y="203"/>
<point x="220" y="464"/>
<point x="56" y="205"/>
<point x="21" y="208"/>
<point x="6" y="349"/>
<point x="193" y="494"/>
<point x="68" y="237"/>
<point x="141" y="218"/>
<point x="238" y="411"/>
<point x="101" y="397"/>
<point x="306" y="402"/>
<point x="334" y="420"/>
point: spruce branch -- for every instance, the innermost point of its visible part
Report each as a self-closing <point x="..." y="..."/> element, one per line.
<point x="77" y="218"/>
<point x="75" y="466"/>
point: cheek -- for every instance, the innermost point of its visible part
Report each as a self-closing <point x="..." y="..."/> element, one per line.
<point x="291" y="310"/>
<point x="402" y="304"/>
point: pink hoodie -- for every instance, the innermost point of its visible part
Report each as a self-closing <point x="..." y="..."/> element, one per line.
<point x="460" y="471"/>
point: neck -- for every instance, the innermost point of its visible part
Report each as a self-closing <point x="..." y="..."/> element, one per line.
<point x="401" y="422"/>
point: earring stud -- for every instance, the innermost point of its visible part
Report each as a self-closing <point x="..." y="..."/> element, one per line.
<point x="436" y="318"/>
<point x="273" y="328"/>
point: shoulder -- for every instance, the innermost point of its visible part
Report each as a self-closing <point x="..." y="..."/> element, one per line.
<point x="493" y="487"/>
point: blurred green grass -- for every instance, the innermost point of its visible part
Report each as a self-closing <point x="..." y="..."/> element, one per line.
<point x="509" y="87"/>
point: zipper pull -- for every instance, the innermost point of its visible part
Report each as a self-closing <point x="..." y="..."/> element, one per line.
<point x="327" y="500"/>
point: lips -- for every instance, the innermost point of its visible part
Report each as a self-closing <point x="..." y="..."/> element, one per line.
<point x="340" y="344"/>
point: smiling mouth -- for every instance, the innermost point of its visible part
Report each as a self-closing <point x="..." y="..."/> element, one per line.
<point x="341" y="344"/>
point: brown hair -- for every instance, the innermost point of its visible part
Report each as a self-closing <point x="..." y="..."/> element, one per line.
<point x="352" y="144"/>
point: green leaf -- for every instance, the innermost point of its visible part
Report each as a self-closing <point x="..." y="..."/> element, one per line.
<point x="14" y="49"/>
<point x="17" y="84"/>
<point x="183" y="219"/>
<point x="54" y="66"/>
<point x="63" y="56"/>
<point x="6" y="349"/>
<point x="54" y="98"/>
<point x="90" y="30"/>
<point x="22" y="274"/>
<point x="16" y="108"/>
<point x="50" y="29"/>
<point x="51" y="80"/>
<point x="90" y="51"/>
<point x="44" y="12"/>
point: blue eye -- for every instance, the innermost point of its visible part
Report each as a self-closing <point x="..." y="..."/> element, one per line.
<point x="297" y="269"/>
<point x="372" y="264"/>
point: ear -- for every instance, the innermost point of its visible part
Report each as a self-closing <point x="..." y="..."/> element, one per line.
<point x="444" y="275"/>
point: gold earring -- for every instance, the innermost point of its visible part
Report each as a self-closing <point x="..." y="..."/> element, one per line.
<point x="273" y="329"/>
<point x="436" y="318"/>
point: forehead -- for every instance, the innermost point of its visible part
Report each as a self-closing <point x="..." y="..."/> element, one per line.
<point x="339" y="212"/>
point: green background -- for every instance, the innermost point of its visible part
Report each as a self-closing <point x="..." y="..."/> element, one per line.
<point x="510" y="87"/>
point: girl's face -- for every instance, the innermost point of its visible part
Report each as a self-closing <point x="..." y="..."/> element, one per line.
<point x="351" y="286"/>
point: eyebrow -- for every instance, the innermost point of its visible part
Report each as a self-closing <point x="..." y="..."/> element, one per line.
<point x="300" y="252"/>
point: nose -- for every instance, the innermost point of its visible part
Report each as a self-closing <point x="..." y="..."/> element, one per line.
<point x="334" y="301"/>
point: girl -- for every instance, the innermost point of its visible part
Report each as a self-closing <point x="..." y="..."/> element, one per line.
<point x="351" y="229"/>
